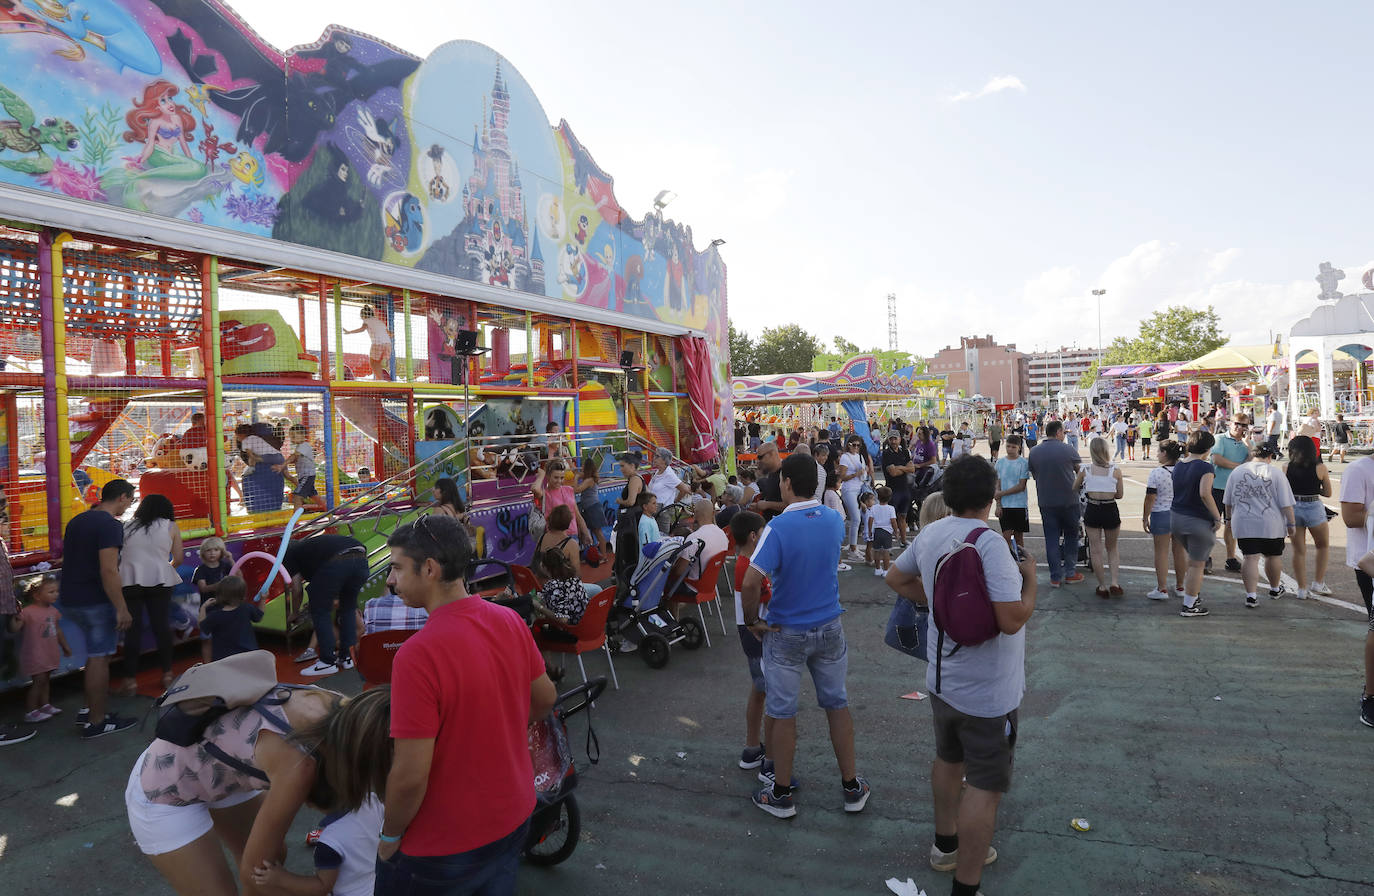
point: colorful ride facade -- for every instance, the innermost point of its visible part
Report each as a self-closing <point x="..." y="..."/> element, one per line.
<point x="193" y="221"/>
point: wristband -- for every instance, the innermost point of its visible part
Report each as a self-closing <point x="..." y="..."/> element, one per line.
<point x="752" y="624"/>
<point x="387" y="838"/>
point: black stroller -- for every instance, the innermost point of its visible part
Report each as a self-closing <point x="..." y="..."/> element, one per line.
<point x="641" y="619"/>
<point x="557" y="822"/>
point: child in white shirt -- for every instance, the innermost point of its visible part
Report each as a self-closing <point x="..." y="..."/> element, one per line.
<point x="882" y="517"/>
<point x="379" y="358"/>
<point x="303" y="459"/>
<point x="345" y="857"/>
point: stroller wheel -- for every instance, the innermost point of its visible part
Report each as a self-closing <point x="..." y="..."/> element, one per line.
<point x="692" y="634"/>
<point x="653" y="647"/>
<point x="556" y="842"/>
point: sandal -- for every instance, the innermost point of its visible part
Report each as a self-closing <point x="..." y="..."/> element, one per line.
<point x="1101" y="592"/>
<point x="1116" y="591"/>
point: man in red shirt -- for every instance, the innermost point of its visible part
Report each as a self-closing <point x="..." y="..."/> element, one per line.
<point x="463" y="691"/>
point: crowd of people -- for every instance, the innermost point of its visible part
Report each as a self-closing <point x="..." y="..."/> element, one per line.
<point x="428" y="782"/>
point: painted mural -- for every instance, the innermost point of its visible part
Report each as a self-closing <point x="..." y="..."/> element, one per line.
<point x="177" y="108"/>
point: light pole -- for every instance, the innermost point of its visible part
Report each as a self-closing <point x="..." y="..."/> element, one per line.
<point x="1099" y="293"/>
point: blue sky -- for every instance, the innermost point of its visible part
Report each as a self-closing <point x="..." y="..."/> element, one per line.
<point x="990" y="163"/>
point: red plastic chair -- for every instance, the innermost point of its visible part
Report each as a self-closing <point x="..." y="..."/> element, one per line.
<point x="704" y="592"/>
<point x="590" y="632"/>
<point x="375" y="653"/>
<point x="522" y="580"/>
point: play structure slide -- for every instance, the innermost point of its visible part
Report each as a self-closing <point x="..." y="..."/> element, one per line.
<point x="377" y="423"/>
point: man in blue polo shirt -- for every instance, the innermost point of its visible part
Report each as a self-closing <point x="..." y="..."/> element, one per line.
<point x="799" y="552"/>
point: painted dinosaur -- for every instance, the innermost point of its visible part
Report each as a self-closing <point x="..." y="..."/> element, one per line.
<point x="22" y="133"/>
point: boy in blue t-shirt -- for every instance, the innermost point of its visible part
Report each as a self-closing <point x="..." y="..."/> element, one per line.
<point x="799" y="552"/>
<point x="1013" y="472"/>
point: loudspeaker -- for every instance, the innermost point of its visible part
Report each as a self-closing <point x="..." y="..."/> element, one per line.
<point x="465" y="343"/>
<point x="627" y="358"/>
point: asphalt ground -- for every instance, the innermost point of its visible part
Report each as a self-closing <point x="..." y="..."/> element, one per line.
<point x="1220" y="755"/>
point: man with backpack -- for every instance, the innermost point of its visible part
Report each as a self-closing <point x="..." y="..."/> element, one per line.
<point x="981" y="599"/>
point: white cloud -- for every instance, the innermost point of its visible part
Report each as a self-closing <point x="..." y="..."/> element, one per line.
<point x="996" y="84"/>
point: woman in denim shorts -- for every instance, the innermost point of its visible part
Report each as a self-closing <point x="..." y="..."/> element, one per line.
<point x="1159" y="498"/>
<point x="1310" y="482"/>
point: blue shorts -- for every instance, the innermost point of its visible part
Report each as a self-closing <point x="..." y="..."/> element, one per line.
<point x="786" y="653"/>
<point x="1159" y="522"/>
<point x="305" y="487"/>
<point x="98" y="626"/>
<point x="1309" y="514"/>
<point x="753" y="652"/>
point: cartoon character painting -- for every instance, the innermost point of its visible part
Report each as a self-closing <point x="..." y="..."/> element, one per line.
<point x="99" y="25"/>
<point x="329" y="207"/>
<point x="163" y="178"/>
<point x="23" y="135"/>
<point x="405" y="224"/>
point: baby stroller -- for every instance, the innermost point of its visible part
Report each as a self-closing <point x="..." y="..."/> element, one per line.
<point x="926" y="482"/>
<point x="641" y="620"/>
<point x="557" y="822"/>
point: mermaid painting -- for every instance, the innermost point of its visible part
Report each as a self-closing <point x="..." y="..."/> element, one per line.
<point x="163" y="178"/>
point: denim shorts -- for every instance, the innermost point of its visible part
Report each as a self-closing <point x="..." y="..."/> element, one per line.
<point x="753" y="653"/>
<point x="1309" y="514"/>
<point x="787" y="652"/>
<point x="1159" y="522"/>
<point x="98" y="625"/>
<point x="1197" y="536"/>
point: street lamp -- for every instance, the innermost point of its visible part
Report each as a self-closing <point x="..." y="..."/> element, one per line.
<point x="1099" y="293"/>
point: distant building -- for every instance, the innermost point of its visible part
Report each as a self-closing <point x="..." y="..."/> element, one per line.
<point x="1049" y="373"/>
<point x="979" y="366"/>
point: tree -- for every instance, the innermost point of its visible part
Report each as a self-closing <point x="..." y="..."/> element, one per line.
<point x="1178" y="333"/>
<point x="785" y="349"/>
<point x="742" y="361"/>
<point x="845" y="348"/>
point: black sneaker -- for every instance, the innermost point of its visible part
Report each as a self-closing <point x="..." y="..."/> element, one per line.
<point x="1251" y="601"/>
<point x="856" y="799"/>
<point x="1278" y="592"/>
<point x="1196" y="609"/>
<point x="777" y="806"/>
<point x="751" y="757"/>
<point x="111" y="724"/>
<point x="1366" y="711"/>
<point x="1232" y="564"/>
<point x="14" y="734"/>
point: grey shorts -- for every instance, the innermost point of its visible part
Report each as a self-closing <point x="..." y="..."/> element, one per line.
<point x="985" y="746"/>
<point x="1196" y="535"/>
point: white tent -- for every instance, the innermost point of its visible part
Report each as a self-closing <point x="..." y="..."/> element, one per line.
<point x="1343" y="324"/>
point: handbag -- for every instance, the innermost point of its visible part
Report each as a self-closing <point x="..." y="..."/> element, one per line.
<point x="908" y="629"/>
<point x="206" y="691"/>
<point x="539" y="523"/>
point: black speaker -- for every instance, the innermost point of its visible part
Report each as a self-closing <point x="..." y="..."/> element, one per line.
<point x="465" y="343"/>
<point x="627" y="358"/>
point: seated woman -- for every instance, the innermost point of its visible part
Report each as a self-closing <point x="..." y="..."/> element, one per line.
<point x="448" y="501"/>
<point x="563" y="596"/>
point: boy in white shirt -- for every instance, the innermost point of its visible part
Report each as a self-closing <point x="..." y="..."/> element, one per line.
<point x="303" y="459"/>
<point x="881" y="520"/>
<point x="345" y="857"/>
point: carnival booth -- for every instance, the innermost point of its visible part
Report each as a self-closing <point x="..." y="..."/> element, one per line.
<point x="1331" y="350"/>
<point x="1219" y="368"/>
<point x="214" y="254"/>
<point x="858" y="380"/>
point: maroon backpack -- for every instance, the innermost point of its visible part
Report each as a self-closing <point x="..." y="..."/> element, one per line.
<point x="960" y="606"/>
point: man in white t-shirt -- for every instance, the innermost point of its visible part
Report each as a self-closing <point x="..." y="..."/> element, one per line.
<point x="666" y="486"/>
<point x="980" y="686"/>
<point x="1119" y="436"/>
<point x="1273" y="428"/>
<point x="1357" y="498"/>
<point x="711" y="537"/>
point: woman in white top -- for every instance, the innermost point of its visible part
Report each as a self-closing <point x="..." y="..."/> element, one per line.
<point x="1260" y="502"/>
<point x="152" y="542"/>
<point x="1102" y="519"/>
<point x="1159" y="501"/>
<point x="851" y="472"/>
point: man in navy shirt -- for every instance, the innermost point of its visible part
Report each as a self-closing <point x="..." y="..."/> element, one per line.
<point x="335" y="566"/>
<point x="91" y="596"/>
<point x="799" y="552"/>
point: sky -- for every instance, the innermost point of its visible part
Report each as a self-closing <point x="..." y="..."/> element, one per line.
<point x="989" y="163"/>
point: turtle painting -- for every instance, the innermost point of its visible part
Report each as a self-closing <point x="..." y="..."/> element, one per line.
<point x="23" y="133"/>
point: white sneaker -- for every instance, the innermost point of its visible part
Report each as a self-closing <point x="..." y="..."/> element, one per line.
<point x="1156" y="594"/>
<point x="947" y="861"/>
<point x="878" y="573"/>
<point x="1179" y="592"/>
<point x="345" y="662"/>
<point x="320" y="668"/>
<point x="1320" y="588"/>
<point x="1302" y="594"/>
